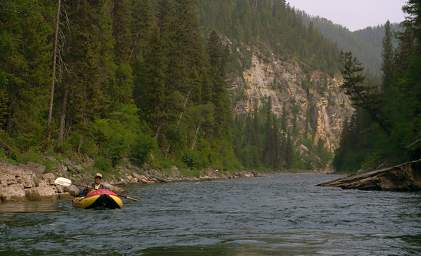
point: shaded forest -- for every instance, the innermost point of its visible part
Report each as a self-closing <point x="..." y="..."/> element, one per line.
<point x="365" y="44"/>
<point x="386" y="127"/>
<point x="134" y="80"/>
<point x="139" y="80"/>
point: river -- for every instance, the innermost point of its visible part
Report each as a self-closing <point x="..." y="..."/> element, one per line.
<point x="276" y="215"/>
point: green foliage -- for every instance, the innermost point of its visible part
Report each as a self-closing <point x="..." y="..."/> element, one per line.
<point x="145" y="81"/>
<point x="194" y="160"/>
<point x="269" y="24"/>
<point x="261" y="143"/>
<point x="3" y="155"/>
<point x="388" y="56"/>
<point x="30" y="156"/>
<point x="141" y="150"/>
<point x="103" y="164"/>
<point x="387" y="130"/>
<point x="24" y="72"/>
<point x="116" y="135"/>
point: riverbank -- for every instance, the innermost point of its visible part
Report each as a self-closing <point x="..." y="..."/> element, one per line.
<point x="33" y="182"/>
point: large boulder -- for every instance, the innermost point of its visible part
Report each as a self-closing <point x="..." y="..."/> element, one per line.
<point x="26" y="182"/>
<point x="72" y="190"/>
<point x="12" y="192"/>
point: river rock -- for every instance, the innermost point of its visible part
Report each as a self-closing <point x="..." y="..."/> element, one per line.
<point x="143" y="179"/>
<point x="72" y="190"/>
<point x="44" y="190"/>
<point x="404" y="177"/>
<point x="26" y="182"/>
<point x="12" y="192"/>
<point x="49" y="178"/>
<point x="132" y="179"/>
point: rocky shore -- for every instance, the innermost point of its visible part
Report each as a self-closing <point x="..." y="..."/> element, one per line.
<point x="26" y="182"/>
<point x="33" y="182"/>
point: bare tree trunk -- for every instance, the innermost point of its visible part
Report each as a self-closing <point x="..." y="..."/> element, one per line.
<point x="158" y="130"/>
<point x="193" y="146"/>
<point x="63" y="116"/>
<point x="84" y="118"/>
<point x="180" y="117"/>
<point x="50" y="112"/>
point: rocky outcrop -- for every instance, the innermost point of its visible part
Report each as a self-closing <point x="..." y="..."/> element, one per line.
<point x="404" y="177"/>
<point x="27" y="182"/>
<point x="310" y="101"/>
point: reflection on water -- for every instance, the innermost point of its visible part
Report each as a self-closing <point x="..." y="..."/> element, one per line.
<point x="192" y="251"/>
<point x="29" y="207"/>
<point x="278" y="215"/>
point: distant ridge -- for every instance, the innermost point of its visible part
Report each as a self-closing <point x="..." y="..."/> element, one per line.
<point x="366" y="44"/>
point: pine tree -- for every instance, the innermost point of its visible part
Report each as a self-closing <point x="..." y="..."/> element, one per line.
<point x="143" y="22"/>
<point x="150" y="85"/>
<point x="269" y="150"/>
<point x="122" y="35"/>
<point x="88" y="55"/>
<point x="413" y="78"/>
<point x="405" y="49"/>
<point x="121" y="20"/>
<point x="289" y="151"/>
<point x="413" y="9"/>
<point x="217" y="93"/>
<point x="387" y="58"/>
<point x="25" y="54"/>
<point x="362" y="96"/>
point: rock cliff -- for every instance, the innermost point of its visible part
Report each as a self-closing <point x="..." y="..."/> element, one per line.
<point x="310" y="101"/>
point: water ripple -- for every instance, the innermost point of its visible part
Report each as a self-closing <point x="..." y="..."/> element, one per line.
<point x="279" y="215"/>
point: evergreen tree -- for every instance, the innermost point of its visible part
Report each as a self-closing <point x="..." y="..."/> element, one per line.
<point x="88" y="55"/>
<point x="387" y="58"/>
<point x="143" y="22"/>
<point x="122" y="35"/>
<point x="121" y="14"/>
<point x="150" y="87"/>
<point x="218" y="93"/>
<point x="289" y="152"/>
<point x="269" y="148"/>
<point x="25" y="53"/>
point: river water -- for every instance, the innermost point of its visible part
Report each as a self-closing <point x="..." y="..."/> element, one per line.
<point x="275" y="215"/>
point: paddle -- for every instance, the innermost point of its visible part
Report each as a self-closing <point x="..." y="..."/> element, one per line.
<point x="67" y="183"/>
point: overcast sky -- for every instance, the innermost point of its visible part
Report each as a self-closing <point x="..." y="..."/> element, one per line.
<point x="354" y="14"/>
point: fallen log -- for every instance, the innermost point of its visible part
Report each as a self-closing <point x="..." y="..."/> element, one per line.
<point x="403" y="177"/>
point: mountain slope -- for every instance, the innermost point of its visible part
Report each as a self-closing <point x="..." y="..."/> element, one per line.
<point x="276" y="58"/>
<point x="366" y="44"/>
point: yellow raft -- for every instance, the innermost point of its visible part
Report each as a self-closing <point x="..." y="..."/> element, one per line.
<point x="99" y="199"/>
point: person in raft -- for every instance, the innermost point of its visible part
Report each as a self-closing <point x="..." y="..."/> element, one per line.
<point x="98" y="184"/>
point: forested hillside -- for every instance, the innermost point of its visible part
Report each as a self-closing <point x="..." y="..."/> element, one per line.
<point x="279" y="65"/>
<point x="386" y="128"/>
<point x="135" y="80"/>
<point x="366" y="44"/>
<point x="145" y="81"/>
<point x="272" y="26"/>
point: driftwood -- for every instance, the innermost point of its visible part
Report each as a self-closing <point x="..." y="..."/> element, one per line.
<point x="404" y="177"/>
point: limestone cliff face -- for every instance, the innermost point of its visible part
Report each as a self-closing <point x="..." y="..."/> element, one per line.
<point x="312" y="102"/>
